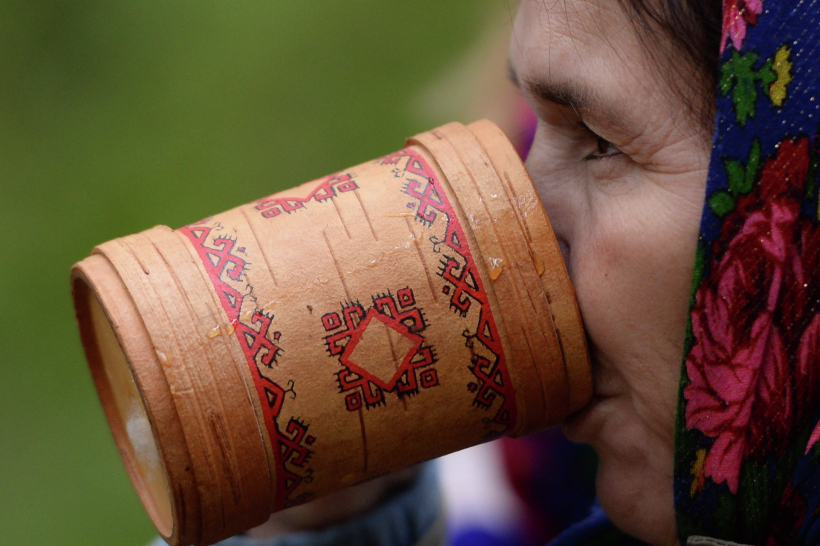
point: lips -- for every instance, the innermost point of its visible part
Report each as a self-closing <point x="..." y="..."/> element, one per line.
<point x="581" y="425"/>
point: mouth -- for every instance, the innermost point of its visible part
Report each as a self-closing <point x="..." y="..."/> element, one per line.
<point x="581" y="413"/>
<point x="583" y="425"/>
<point x="580" y="425"/>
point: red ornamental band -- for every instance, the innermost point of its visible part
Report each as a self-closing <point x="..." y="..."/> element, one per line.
<point x="462" y="283"/>
<point x="291" y="447"/>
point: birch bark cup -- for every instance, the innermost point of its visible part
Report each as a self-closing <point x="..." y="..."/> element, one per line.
<point x="406" y="308"/>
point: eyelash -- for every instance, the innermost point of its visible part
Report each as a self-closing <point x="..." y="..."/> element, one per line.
<point x="604" y="150"/>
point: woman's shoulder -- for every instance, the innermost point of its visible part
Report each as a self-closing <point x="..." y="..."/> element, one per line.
<point x="595" y="530"/>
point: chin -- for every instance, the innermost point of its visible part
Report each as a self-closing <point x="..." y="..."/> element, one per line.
<point x="638" y="503"/>
<point x="635" y="470"/>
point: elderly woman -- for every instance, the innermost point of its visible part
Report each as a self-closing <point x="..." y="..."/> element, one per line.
<point x="684" y="196"/>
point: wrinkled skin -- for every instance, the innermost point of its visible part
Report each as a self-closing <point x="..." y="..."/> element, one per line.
<point x="621" y="169"/>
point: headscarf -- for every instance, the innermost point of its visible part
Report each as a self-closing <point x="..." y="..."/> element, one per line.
<point x="747" y="462"/>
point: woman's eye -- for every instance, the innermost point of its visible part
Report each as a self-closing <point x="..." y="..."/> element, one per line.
<point x="604" y="148"/>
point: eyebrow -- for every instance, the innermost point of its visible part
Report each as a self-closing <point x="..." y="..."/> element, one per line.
<point x="578" y="97"/>
<point x="564" y="95"/>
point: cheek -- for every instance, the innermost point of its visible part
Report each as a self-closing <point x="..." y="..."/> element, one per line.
<point x="631" y="248"/>
<point x="632" y="266"/>
<point x="632" y="261"/>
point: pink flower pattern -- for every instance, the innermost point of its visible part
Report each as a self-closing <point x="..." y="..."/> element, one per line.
<point x="736" y="15"/>
<point x="738" y="364"/>
<point x="751" y="368"/>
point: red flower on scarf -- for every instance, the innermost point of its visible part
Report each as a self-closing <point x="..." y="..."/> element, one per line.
<point x="807" y="361"/>
<point x="744" y="389"/>
<point x="736" y="15"/>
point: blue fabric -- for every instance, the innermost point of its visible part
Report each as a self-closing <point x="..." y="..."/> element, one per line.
<point x="477" y="536"/>
<point x="596" y="523"/>
<point x="596" y="530"/>
<point x="401" y="521"/>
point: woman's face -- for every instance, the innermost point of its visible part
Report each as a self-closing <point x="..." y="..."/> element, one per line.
<point x="620" y="164"/>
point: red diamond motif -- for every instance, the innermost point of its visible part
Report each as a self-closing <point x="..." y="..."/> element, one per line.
<point x="381" y="349"/>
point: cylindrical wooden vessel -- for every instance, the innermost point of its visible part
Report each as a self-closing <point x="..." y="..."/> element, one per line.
<point x="387" y="314"/>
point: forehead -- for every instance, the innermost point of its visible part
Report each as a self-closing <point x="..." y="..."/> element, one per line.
<point x="592" y="46"/>
<point x="589" y="42"/>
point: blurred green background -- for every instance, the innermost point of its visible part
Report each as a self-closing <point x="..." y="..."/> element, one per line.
<point x="116" y="116"/>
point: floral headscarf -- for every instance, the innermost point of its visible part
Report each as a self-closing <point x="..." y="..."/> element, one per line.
<point x="747" y="465"/>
